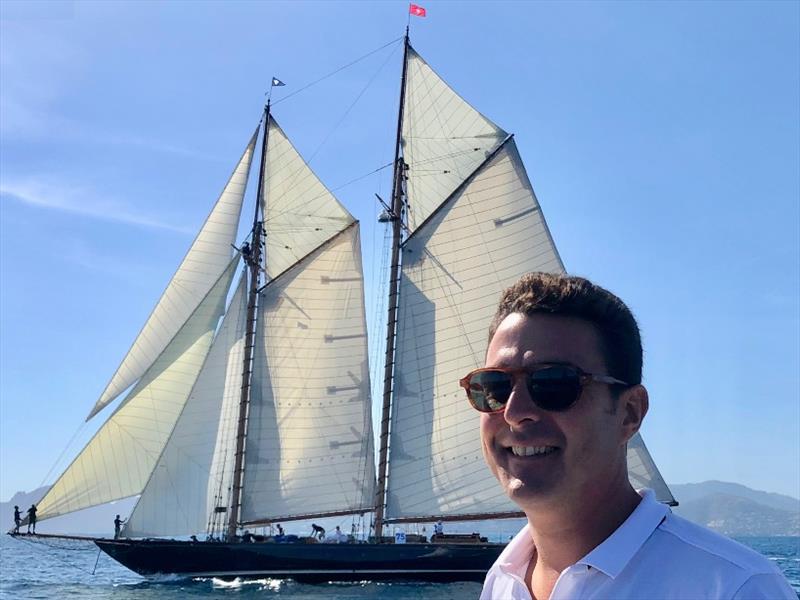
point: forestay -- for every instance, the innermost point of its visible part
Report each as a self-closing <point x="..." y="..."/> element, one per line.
<point x="117" y="462"/>
<point x="299" y="211"/>
<point x="194" y="472"/>
<point x="309" y="440"/>
<point x="207" y="258"/>
<point x="444" y="139"/>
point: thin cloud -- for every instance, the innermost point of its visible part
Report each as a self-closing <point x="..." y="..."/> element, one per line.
<point x="80" y="201"/>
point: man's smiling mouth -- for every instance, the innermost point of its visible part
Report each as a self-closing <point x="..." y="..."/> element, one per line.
<point x="532" y="450"/>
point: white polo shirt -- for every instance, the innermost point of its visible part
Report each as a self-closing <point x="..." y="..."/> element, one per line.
<point x="652" y="555"/>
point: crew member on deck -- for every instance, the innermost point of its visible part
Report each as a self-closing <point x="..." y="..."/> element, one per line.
<point x="118" y="526"/>
<point x="317" y="531"/>
<point x="17" y="519"/>
<point x="438" y="529"/>
<point x="32" y="518"/>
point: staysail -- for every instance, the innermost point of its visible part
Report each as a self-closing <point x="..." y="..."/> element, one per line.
<point x="193" y="474"/>
<point x="206" y="259"/>
<point x="455" y="264"/>
<point x="117" y="462"/>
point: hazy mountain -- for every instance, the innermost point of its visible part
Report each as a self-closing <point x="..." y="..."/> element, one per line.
<point x="736" y="510"/>
<point x="687" y="492"/>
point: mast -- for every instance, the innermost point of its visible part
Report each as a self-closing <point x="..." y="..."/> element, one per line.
<point x="394" y="287"/>
<point x="254" y="262"/>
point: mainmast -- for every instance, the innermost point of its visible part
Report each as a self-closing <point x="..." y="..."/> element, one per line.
<point x="397" y="215"/>
<point x="254" y="262"/>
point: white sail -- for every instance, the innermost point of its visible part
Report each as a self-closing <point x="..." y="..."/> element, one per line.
<point x="444" y="139"/>
<point x="207" y="258"/>
<point x="454" y="269"/>
<point x="118" y="460"/>
<point x="643" y="473"/>
<point x="299" y="211"/>
<point x="194" y="472"/>
<point x="309" y="440"/>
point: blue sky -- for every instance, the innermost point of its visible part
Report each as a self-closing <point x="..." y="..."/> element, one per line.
<point x="661" y="139"/>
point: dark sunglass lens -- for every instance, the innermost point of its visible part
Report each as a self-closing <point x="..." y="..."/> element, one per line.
<point x="490" y="390"/>
<point x="554" y="388"/>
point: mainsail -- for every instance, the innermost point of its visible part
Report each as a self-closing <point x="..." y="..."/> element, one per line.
<point x="473" y="241"/>
<point x="309" y="443"/>
<point x="206" y="259"/>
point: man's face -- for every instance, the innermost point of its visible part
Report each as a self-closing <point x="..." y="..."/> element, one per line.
<point x="586" y="443"/>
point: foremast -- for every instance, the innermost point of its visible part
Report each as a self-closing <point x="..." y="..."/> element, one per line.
<point x="254" y="263"/>
<point x="397" y="216"/>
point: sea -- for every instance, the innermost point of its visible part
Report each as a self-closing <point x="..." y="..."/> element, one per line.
<point x="67" y="569"/>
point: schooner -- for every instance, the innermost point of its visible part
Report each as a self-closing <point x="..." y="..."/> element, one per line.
<point x="257" y="410"/>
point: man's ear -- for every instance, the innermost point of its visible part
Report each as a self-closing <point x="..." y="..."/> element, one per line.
<point x="633" y="403"/>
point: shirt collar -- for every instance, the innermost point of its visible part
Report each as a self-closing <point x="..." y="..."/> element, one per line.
<point x="613" y="554"/>
<point x="516" y="556"/>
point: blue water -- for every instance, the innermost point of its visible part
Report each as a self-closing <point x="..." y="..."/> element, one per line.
<point x="64" y="570"/>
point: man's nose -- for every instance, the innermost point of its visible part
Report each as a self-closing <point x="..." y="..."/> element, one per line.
<point x="520" y="406"/>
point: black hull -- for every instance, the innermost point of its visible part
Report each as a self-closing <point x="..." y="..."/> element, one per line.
<point x="306" y="562"/>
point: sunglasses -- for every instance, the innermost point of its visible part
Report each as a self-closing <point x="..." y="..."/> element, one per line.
<point x="553" y="388"/>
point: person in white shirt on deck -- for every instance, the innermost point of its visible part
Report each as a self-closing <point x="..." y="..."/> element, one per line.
<point x="560" y="397"/>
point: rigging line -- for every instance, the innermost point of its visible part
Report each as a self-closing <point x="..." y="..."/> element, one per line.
<point x="349" y="108"/>
<point x="352" y="181"/>
<point x="63" y="452"/>
<point x="37" y="543"/>
<point x="332" y="73"/>
<point x="307" y="162"/>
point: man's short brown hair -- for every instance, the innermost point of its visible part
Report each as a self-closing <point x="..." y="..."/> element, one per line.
<point x="577" y="297"/>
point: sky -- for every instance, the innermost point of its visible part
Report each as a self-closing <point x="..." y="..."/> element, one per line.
<point x="662" y="140"/>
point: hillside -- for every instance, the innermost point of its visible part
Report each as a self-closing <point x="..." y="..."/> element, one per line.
<point x="736" y="510"/>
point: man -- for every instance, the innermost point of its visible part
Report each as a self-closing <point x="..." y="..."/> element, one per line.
<point x="32" y="518"/>
<point x="17" y="519"/>
<point x="317" y="531"/>
<point x="560" y="397"/>
<point x="118" y="526"/>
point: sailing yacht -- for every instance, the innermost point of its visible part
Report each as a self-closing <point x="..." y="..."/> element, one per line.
<point x="243" y="413"/>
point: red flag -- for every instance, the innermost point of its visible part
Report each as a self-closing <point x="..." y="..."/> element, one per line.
<point x="416" y="10"/>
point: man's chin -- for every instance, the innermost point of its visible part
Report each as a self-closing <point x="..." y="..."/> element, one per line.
<point x="525" y="492"/>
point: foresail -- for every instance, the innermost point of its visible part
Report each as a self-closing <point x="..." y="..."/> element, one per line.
<point x="299" y="211"/>
<point x="119" y="459"/>
<point x="444" y="139"/>
<point x="194" y="472"/>
<point x="454" y="269"/>
<point x="309" y="441"/>
<point x="207" y="258"/>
